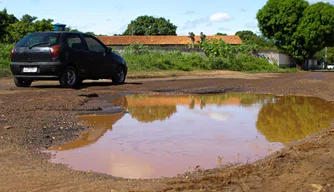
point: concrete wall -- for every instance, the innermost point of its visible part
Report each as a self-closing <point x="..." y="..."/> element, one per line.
<point x="314" y="64"/>
<point x="285" y="61"/>
<point x="274" y="57"/>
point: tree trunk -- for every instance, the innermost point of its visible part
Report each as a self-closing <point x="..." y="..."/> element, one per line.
<point x="301" y="64"/>
<point x="192" y="42"/>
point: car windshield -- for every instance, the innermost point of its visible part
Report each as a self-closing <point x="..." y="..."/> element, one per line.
<point x="39" y="40"/>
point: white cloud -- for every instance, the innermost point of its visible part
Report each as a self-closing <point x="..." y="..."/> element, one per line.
<point x="220" y="17"/>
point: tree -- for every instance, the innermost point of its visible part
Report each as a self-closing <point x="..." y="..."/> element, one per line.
<point x="28" y="19"/>
<point x="315" y="30"/>
<point x="191" y="36"/>
<point x="90" y="33"/>
<point x="70" y="29"/>
<point x="249" y="37"/>
<point x="149" y="25"/>
<point x="246" y="36"/>
<point x="223" y="34"/>
<point x="42" y="25"/>
<point x="28" y="24"/>
<point x="297" y="28"/>
<point x="330" y="55"/>
<point x="202" y="36"/>
<point x="5" y="20"/>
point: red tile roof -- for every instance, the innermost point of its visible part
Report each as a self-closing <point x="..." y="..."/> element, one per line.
<point x="163" y="40"/>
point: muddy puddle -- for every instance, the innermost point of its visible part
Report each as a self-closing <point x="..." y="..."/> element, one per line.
<point x="165" y="135"/>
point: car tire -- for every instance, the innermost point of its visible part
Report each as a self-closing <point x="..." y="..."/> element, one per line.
<point x="119" y="76"/>
<point x="22" y="82"/>
<point x="69" y="78"/>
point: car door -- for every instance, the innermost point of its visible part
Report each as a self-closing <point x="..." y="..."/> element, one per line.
<point x="97" y="55"/>
<point x="76" y="53"/>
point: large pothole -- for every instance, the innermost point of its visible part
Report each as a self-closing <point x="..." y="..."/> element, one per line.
<point x="164" y="135"/>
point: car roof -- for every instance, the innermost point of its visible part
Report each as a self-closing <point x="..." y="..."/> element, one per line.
<point x="59" y="32"/>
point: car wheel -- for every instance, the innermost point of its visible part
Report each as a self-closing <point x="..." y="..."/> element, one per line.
<point x="21" y="82"/>
<point x="119" y="76"/>
<point x="69" y="78"/>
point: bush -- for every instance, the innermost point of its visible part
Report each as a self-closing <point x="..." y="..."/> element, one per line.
<point x="162" y="60"/>
<point x="136" y="48"/>
<point x="219" y="63"/>
<point x="5" y="50"/>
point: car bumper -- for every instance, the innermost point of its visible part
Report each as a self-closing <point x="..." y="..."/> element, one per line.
<point x="45" y="70"/>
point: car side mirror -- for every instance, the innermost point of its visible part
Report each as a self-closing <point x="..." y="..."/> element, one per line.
<point x="109" y="49"/>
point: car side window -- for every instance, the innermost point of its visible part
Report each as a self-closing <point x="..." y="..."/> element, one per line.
<point x="94" y="45"/>
<point x="74" y="41"/>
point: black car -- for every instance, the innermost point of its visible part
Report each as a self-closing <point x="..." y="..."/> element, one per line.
<point x="64" y="56"/>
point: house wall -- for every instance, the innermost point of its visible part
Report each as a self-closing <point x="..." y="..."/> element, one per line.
<point x="273" y="56"/>
<point x="315" y="64"/>
<point x="285" y="61"/>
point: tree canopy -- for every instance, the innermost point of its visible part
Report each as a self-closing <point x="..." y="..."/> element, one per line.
<point x="5" y="20"/>
<point x="219" y="33"/>
<point x="251" y="38"/>
<point x="296" y="27"/>
<point x="12" y="29"/>
<point x="149" y="25"/>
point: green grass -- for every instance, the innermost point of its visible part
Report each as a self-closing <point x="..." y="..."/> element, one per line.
<point x="140" y="64"/>
<point x="5" y="50"/>
<point x="160" y="60"/>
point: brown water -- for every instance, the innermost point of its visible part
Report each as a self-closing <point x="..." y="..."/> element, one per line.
<point x="163" y="136"/>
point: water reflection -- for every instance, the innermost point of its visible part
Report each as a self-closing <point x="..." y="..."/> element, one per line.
<point x="293" y="118"/>
<point x="150" y="108"/>
<point x="165" y="135"/>
<point x="101" y="124"/>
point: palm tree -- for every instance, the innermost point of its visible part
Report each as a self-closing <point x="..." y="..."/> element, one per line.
<point x="192" y="38"/>
<point x="202" y="36"/>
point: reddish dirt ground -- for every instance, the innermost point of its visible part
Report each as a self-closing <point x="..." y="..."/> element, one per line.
<point x="44" y="115"/>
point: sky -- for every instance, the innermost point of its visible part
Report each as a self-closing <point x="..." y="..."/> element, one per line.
<point x="111" y="17"/>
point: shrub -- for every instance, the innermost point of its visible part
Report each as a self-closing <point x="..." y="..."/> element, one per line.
<point x="137" y="48"/>
<point x="5" y="50"/>
<point x="219" y="63"/>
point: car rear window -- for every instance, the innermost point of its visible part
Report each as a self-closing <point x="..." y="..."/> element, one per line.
<point x="46" y="40"/>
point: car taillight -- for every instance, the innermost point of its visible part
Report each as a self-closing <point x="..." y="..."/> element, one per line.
<point x="55" y="51"/>
<point x="11" y="53"/>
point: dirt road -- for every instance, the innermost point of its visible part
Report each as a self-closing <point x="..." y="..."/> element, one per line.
<point x="33" y="119"/>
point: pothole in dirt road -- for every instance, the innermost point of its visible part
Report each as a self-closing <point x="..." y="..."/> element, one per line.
<point x="165" y="135"/>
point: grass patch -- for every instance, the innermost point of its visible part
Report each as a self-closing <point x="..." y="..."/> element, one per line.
<point x="5" y="50"/>
<point x="5" y="73"/>
<point x="176" y="61"/>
